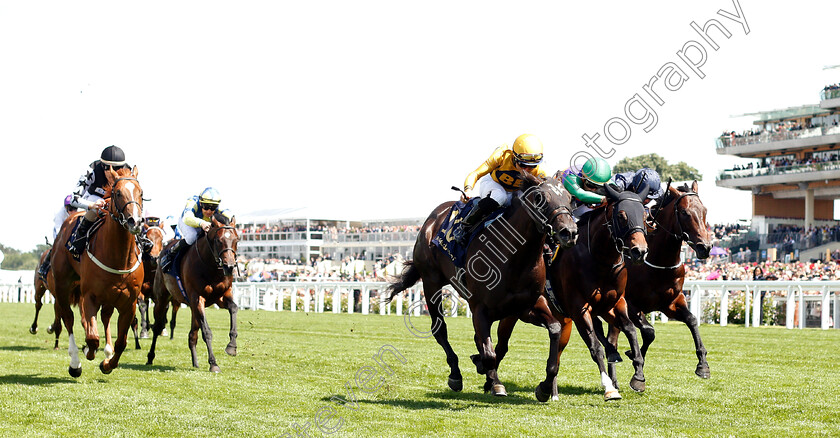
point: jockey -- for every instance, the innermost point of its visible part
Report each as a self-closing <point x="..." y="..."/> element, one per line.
<point x="93" y="189"/>
<point x="587" y="184"/>
<point x="498" y="178"/>
<point x="638" y="181"/>
<point x="196" y="215"/>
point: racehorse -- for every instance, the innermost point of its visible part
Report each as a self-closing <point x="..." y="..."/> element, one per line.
<point x="108" y="274"/>
<point x="206" y="271"/>
<point x="589" y="279"/>
<point x="40" y="290"/>
<point x="154" y="234"/>
<point x="658" y="283"/>
<point x="493" y="290"/>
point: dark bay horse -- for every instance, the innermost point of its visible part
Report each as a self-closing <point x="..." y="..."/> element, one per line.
<point x="658" y="283"/>
<point x="108" y="274"/>
<point x="40" y="290"/>
<point x="588" y="280"/>
<point x="207" y="276"/>
<point x="503" y="276"/>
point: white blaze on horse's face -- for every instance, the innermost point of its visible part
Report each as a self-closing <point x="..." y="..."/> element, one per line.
<point x="227" y="234"/>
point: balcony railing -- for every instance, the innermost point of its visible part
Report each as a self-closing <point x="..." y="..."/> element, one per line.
<point x="394" y="236"/>
<point x="830" y="94"/>
<point x="779" y="170"/>
<point x="770" y="137"/>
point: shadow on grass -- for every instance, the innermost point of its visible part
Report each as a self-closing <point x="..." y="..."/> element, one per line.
<point x="19" y="348"/>
<point x="144" y="367"/>
<point x="34" y="380"/>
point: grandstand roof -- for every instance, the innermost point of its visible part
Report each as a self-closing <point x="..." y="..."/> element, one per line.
<point x="303" y="213"/>
<point x="787" y="113"/>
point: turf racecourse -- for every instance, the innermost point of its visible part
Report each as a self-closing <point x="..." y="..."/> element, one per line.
<point x="765" y="382"/>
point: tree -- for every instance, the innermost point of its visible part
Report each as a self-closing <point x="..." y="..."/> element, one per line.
<point x="679" y="172"/>
<point x="15" y="260"/>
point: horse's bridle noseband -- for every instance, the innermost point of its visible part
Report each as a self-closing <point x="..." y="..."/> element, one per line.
<point x="545" y="227"/>
<point x="120" y="216"/>
<point x="217" y="257"/>
<point x="682" y="236"/>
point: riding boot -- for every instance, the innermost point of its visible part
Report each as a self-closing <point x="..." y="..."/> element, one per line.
<point x="45" y="267"/>
<point x="167" y="257"/>
<point x="78" y="241"/>
<point x="475" y="217"/>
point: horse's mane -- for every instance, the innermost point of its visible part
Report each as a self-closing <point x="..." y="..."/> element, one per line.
<point x="224" y="220"/>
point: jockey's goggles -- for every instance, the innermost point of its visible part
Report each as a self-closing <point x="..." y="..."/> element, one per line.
<point x="211" y="207"/>
<point x="587" y="184"/>
<point x="529" y="158"/>
<point x="153" y="221"/>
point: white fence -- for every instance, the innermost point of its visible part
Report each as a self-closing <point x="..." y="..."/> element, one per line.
<point x="802" y="301"/>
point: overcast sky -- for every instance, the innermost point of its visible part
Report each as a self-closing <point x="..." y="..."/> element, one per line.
<point x="374" y="109"/>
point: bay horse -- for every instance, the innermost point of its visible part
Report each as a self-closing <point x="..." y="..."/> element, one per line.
<point x="658" y="283"/>
<point x="108" y="274"/>
<point x="589" y="279"/>
<point x="207" y="276"/>
<point x="40" y="290"/>
<point x="494" y="288"/>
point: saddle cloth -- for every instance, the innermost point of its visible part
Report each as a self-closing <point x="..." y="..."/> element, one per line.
<point x="444" y="240"/>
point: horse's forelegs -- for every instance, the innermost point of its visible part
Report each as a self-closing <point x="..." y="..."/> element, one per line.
<point x="207" y="335"/>
<point x="612" y="339"/>
<point x="143" y="307"/>
<point x="233" y="309"/>
<point x="38" y="296"/>
<point x="684" y="315"/>
<point x="157" y="329"/>
<point x="175" y="307"/>
<point x="192" y="340"/>
<point x="583" y="322"/>
<point x="134" y="331"/>
<point x="629" y="330"/>
<point x="62" y="309"/>
<point x="123" y="324"/>
<point x="439" y="331"/>
<point x="88" y="312"/>
<point x="55" y="328"/>
<point x="481" y="324"/>
<point x="107" y="312"/>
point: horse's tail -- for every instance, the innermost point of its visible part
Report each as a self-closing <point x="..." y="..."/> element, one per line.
<point x="407" y="278"/>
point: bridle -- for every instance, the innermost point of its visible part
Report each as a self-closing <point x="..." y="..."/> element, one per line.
<point x="545" y="227"/>
<point x="682" y="236"/>
<point x="612" y="224"/>
<point x="119" y="217"/>
<point x="217" y="256"/>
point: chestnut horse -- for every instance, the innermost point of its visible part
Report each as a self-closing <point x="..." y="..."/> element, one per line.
<point x="40" y="290"/>
<point x="154" y="234"/>
<point x="207" y="276"/>
<point x="589" y="279"/>
<point x="658" y="284"/>
<point x="494" y="288"/>
<point x="108" y="274"/>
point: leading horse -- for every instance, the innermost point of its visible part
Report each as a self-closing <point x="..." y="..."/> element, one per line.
<point x="494" y="287"/>
<point x="108" y="274"/>
<point x="658" y="283"/>
<point x="207" y="273"/>
<point x="589" y="279"/>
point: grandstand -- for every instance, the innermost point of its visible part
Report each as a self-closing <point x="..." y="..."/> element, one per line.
<point x="305" y="234"/>
<point x="795" y="177"/>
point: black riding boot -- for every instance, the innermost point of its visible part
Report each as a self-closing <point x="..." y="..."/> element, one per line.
<point x="476" y="216"/>
<point x="167" y="257"/>
<point x="78" y="241"/>
<point x="45" y="267"/>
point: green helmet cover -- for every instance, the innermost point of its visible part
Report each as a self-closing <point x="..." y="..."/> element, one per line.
<point x="597" y="170"/>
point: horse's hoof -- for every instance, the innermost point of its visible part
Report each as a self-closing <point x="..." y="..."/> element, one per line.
<point x="165" y="332"/>
<point x="89" y="354"/>
<point x="702" y="372"/>
<point x="612" y="395"/>
<point x="637" y="385"/>
<point x="103" y="369"/>
<point x="542" y="396"/>
<point x="555" y="398"/>
<point x="614" y="358"/>
<point x="499" y="390"/>
<point x="75" y="372"/>
<point x="50" y="329"/>
<point x="455" y="384"/>
<point x="33" y="329"/>
<point x="109" y="352"/>
<point x="479" y="367"/>
<point x="231" y="351"/>
<point x="144" y="335"/>
<point x="215" y="369"/>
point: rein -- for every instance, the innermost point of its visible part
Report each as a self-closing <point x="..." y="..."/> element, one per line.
<point x="545" y="227"/>
<point x="121" y="218"/>
<point x="122" y="222"/>
<point x="681" y="237"/>
<point x="217" y="258"/>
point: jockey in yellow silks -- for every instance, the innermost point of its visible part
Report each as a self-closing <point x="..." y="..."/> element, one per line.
<point x="498" y="178"/>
